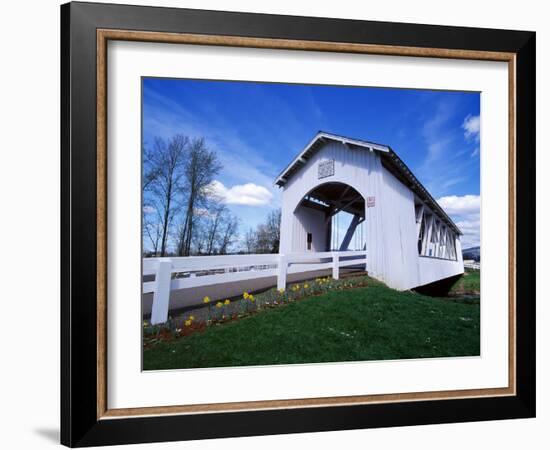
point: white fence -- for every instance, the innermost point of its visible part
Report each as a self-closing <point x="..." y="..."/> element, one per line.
<point x="194" y="271"/>
<point x="472" y="265"/>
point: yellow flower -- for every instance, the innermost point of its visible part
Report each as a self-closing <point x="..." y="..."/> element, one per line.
<point x="227" y="302"/>
<point x="281" y="291"/>
<point x="245" y="294"/>
<point x="188" y="323"/>
<point x="191" y="317"/>
<point x="144" y="324"/>
<point x="297" y="286"/>
<point x="251" y="298"/>
<point x="306" y="286"/>
<point x="219" y="305"/>
<point x="206" y="299"/>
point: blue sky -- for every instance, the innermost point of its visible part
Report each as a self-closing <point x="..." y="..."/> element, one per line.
<point x="258" y="128"/>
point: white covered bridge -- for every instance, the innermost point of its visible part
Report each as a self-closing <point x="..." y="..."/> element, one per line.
<point x="409" y="240"/>
<point x="395" y="230"/>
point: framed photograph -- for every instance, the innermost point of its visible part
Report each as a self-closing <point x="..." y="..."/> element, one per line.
<point x="276" y="224"/>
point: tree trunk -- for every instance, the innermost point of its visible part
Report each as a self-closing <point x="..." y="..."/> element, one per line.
<point x="165" y="220"/>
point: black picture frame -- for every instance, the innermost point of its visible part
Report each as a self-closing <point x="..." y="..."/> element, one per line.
<point x="80" y="425"/>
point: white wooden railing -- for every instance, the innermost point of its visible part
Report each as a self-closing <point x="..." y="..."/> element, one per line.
<point x="472" y="265"/>
<point x="194" y="271"/>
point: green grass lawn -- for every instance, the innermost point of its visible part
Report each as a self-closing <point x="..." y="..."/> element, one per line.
<point x="357" y="324"/>
<point x="468" y="284"/>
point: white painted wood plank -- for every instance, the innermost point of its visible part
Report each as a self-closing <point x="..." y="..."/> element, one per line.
<point x="149" y="287"/>
<point x="298" y="268"/>
<point x="161" y="297"/>
<point x="352" y="263"/>
<point x="209" y="280"/>
<point x="335" y="266"/>
<point x="149" y="266"/>
<point x="282" y="270"/>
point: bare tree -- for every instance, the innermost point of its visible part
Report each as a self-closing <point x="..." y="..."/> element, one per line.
<point x="178" y="187"/>
<point x="250" y="241"/>
<point x="228" y="233"/>
<point x="265" y="238"/>
<point x="150" y="169"/>
<point x="213" y="231"/>
<point x="164" y="179"/>
<point x="200" y="227"/>
<point x="216" y="229"/>
<point x="201" y="167"/>
<point x="273" y="229"/>
<point x="152" y="227"/>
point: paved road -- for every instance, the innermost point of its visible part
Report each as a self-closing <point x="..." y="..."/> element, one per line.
<point x="187" y="298"/>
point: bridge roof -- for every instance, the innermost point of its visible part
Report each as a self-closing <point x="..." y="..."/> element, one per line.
<point x="391" y="161"/>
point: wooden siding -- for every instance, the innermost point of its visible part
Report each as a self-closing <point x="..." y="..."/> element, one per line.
<point x="391" y="227"/>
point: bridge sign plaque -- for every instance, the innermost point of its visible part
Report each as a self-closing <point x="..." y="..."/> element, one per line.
<point x="326" y="168"/>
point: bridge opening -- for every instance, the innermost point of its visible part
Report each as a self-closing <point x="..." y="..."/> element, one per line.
<point x="331" y="217"/>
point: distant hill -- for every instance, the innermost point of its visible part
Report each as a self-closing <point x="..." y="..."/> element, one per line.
<point x="471" y="253"/>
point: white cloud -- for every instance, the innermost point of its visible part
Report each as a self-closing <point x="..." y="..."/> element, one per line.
<point x="460" y="205"/>
<point x="470" y="233"/>
<point x="471" y="126"/>
<point x="242" y="194"/>
<point x="475" y="152"/>
<point x="203" y="212"/>
<point x="464" y="210"/>
<point x="147" y="209"/>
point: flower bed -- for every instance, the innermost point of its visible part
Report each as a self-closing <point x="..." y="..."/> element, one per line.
<point x="219" y="312"/>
